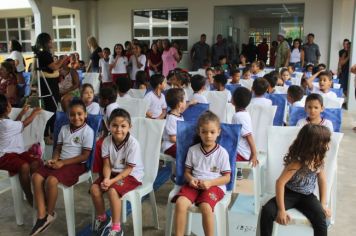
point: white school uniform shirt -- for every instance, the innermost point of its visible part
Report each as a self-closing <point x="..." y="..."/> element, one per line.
<point x="243" y="118"/>
<point x="105" y="73"/>
<point x="73" y="141"/>
<point x="229" y="96"/>
<point x="259" y="74"/>
<point x="329" y="94"/>
<point x="11" y="137"/>
<point x="261" y="101"/>
<point x="120" y="66"/>
<point x="93" y="108"/>
<point x="157" y="103"/>
<point x="134" y="68"/>
<point x="109" y="109"/>
<point x="127" y="153"/>
<point x="298" y="104"/>
<point x="199" y="98"/>
<point x="170" y="129"/>
<point x="208" y="165"/>
<point x="323" y="122"/>
<point x="126" y="95"/>
<point x="15" y="55"/>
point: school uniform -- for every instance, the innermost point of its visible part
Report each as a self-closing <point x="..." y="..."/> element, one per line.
<point x="93" y="108"/>
<point x="206" y="166"/>
<point x="157" y="103"/>
<point x="120" y="68"/>
<point x="128" y="153"/>
<point x="329" y="94"/>
<point x="298" y="104"/>
<point x="13" y="153"/>
<point x="262" y="101"/>
<point x="323" y="122"/>
<point x="170" y="129"/>
<point x="243" y="118"/>
<point x="229" y="96"/>
<point x="73" y="142"/>
<point x="199" y="98"/>
<point x="105" y="72"/>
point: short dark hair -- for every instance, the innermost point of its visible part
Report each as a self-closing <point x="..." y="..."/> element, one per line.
<point x="106" y="49"/>
<point x="119" y="112"/>
<point x="77" y="102"/>
<point x="197" y="82"/>
<point x="221" y="79"/>
<point x="241" y="97"/>
<point x="174" y="96"/>
<point x="235" y="71"/>
<point x="245" y="70"/>
<point x="3" y="104"/>
<point x="313" y="97"/>
<point x="16" y="46"/>
<point x="272" y="78"/>
<point x="123" y="84"/>
<point x="311" y="34"/>
<point x="221" y="57"/>
<point x="108" y="93"/>
<point x="327" y="74"/>
<point x="295" y="92"/>
<point x="259" y="86"/>
<point x="202" y="35"/>
<point x="85" y="86"/>
<point x="141" y="77"/>
<point x="156" y="80"/>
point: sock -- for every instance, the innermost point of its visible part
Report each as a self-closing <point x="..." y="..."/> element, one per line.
<point x="102" y="217"/>
<point x="116" y="227"/>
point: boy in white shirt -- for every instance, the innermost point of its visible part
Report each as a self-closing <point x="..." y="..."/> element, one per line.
<point x="104" y="64"/>
<point x="198" y="84"/>
<point x="294" y="96"/>
<point x="235" y="76"/>
<point x="246" y="149"/>
<point x="156" y="99"/>
<point x="259" y="87"/>
<point x="325" y="83"/>
<point x="219" y="83"/>
<point x="107" y="101"/>
<point x="123" y="86"/>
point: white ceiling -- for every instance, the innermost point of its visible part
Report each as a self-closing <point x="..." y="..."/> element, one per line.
<point x="14" y="4"/>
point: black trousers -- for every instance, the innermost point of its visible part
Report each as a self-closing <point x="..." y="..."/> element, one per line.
<point x="309" y="205"/>
<point x="49" y="105"/>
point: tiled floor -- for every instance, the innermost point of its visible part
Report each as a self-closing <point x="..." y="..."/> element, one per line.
<point x="346" y="204"/>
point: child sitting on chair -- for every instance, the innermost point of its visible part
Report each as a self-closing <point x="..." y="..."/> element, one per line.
<point x="156" y="99"/>
<point x="246" y="149"/>
<point x="75" y="142"/>
<point x="107" y="101"/>
<point x="235" y="76"/>
<point x="87" y="96"/>
<point x="259" y="88"/>
<point x="198" y="84"/>
<point x="304" y="166"/>
<point x="175" y="101"/>
<point x="209" y="72"/>
<point x="295" y="94"/>
<point x="207" y="171"/>
<point x="123" y="171"/>
<point x="220" y="81"/>
<point x="325" y="84"/>
<point x="313" y="107"/>
<point x="272" y="79"/>
<point x="14" y="157"/>
<point x="123" y="86"/>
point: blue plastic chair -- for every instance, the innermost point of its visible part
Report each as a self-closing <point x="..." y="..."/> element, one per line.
<point x="279" y="100"/>
<point x="339" y="92"/>
<point x="332" y="114"/>
<point x="193" y="112"/>
<point x="232" y="87"/>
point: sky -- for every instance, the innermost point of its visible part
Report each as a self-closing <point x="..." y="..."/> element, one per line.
<point x="13" y="4"/>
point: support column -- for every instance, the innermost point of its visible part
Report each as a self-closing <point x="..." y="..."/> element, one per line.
<point x="42" y="13"/>
<point x="351" y="102"/>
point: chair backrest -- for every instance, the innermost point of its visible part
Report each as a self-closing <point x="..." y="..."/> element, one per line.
<point x="135" y="106"/>
<point x="332" y="114"/>
<point x="279" y="100"/>
<point x="262" y="117"/>
<point x="279" y="141"/>
<point x="232" y="87"/>
<point x="193" y="112"/>
<point x="297" y="78"/>
<point x="94" y="121"/>
<point x="218" y="103"/>
<point x="338" y="91"/>
<point x="333" y="102"/>
<point x="149" y="132"/>
<point x="93" y="79"/>
<point x="137" y="93"/>
<point x="188" y="92"/>
<point x="186" y="132"/>
<point x="246" y="83"/>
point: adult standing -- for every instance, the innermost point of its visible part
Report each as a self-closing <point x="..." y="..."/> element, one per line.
<point x="262" y="51"/>
<point x="283" y="51"/>
<point x="311" y="51"/>
<point x="96" y="54"/>
<point x="170" y="57"/>
<point x="251" y="50"/>
<point x="50" y="69"/>
<point x="154" y="60"/>
<point x="297" y="54"/>
<point x="344" y="65"/>
<point x="272" y="53"/>
<point x="16" y="55"/>
<point x="199" y="53"/>
<point x="218" y="49"/>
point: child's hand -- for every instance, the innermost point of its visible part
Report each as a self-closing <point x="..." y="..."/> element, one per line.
<point x="105" y="184"/>
<point x="36" y="110"/>
<point x="327" y="211"/>
<point x="50" y="163"/>
<point x="204" y="184"/>
<point x="58" y="164"/>
<point x="149" y="114"/>
<point x="25" y="109"/>
<point x="194" y="183"/>
<point x="282" y="218"/>
<point x="253" y="160"/>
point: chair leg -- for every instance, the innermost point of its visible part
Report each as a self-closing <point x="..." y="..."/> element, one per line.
<point x="221" y="221"/>
<point x="169" y="218"/>
<point x="275" y="229"/>
<point x="124" y="211"/>
<point x="68" y="195"/>
<point x="257" y="187"/>
<point x="136" y="207"/>
<point x="188" y="227"/>
<point x="17" y="197"/>
<point x="154" y="209"/>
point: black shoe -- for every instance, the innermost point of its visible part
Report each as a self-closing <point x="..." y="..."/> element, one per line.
<point x="42" y="224"/>
<point x="99" y="227"/>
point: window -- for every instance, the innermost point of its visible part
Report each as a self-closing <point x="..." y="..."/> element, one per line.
<point x="64" y="34"/>
<point x="172" y="24"/>
<point x="293" y="30"/>
<point x="20" y="28"/>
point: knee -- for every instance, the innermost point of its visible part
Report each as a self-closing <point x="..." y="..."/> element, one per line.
<point x="51" y="181"/>
<point x="112" y="193"/>
<point x="36" y="178"/>
<point x="95" y="190"/>
<point x="205" y="208"/>
<point x="268" y="211"/>
<point x="182" y="204"/>
<point x="25" y="169"/>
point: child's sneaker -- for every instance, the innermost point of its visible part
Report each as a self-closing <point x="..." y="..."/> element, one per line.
<point x="99" y="227"/>
<point x="116" y="233"/>
<point x="239" y="175"/>
<point x="43" y="224"/>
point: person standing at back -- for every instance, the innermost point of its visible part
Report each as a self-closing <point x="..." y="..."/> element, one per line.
<point x="311" y="51"/>
<point x="96" y="54"/>
<point x="218" y="49"/>
<point x="282" y="52"/>
<point x="199" y="53"/>
<point x="262" y="51"/>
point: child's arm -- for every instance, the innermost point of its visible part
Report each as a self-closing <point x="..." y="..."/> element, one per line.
<point x="253" y="157"/>
<point x="173" y="138"/>
<point x="126" y="172"/>
<point x="23" y="112"/>
<point x="322" y="192"/>
<point x="206" y="184"/>
<point x="55" y="156"/>
<point x="163" y="114"/>
<point x="193" y="182"/>
<point x="105" y="184"/>
<point x="288" y="172"/>
<point x="78" y="159"/>
<point x="312" y="78"/>
<point x="29" y="119"/>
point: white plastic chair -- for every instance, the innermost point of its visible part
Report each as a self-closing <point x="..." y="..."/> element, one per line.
<point x="333" y="102"/>
<point x="218" y="103"/>
<point x="135" y="106"/>
<point x="93" y="79"/>
<point x="137" y="93"/>
<point x="246" y="83"/>
<point x="297" y="79"/>
<point x="275" y="167"/>
<point x="281" y="89"/>
<point x="32" y="134"/>
<point x="148" y="132"/>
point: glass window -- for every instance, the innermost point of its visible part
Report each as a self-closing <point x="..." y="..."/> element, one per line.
<point x="3" y="47"/>
<point x="26" y="47"/>
<point x="65" y="33"/>
<point x="179" y="32"/>
<point x="25" y="35"/>
<point x="183" y="44"/>
<point x="64" y="20"/>
<point x="179" y="15"/>
<point x="67" y="46"/>
<point x="54" y="21"/>
<point x="14" y="34"/>
<point x="160" y="16"/>
<point x="3" y="36"/>
<point x="160" y="31"/>
<point x="141" y="17"/>
<point x="2" y="24"/>
<point x="141" y="32"/>
<point x="12" y="23"/>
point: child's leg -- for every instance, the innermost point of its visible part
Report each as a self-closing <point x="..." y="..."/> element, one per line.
<point x="51" y="193"/>
<point x="180" y="219"/>
<point x="25" y="181"/>
<point x="98" y="200"/>
<point x="115" y="205"/>
<point x="38" y="188"/>
<point x="208" y="218"/>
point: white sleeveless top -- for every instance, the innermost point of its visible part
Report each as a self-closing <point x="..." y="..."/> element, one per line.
<point x="295" y="56"/>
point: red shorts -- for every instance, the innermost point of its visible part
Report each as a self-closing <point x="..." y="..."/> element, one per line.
<point x="211" y="196"/>
<point x="107" y="85"/>
<point x="12" y="162"/>
<point x="241" y="158"/>
<point x="98" y="161"/>
<point x="68" y="175"/>
<point x="172" y="151"/>
<point x="118" y="76"/>
<point x="126" y="185"/>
